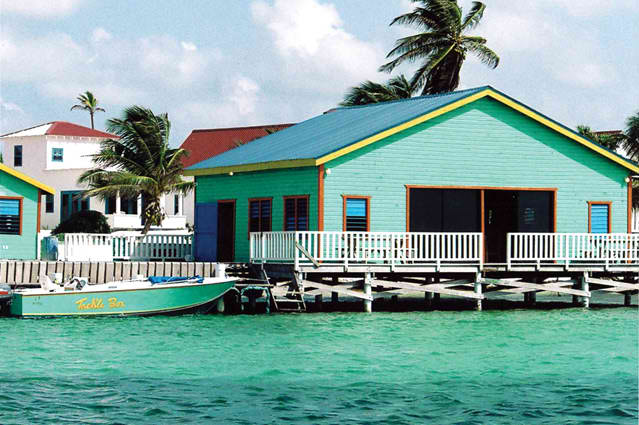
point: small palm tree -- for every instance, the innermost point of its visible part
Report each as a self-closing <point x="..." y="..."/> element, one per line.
<point x="88" y="102"/>
<point x="370" y="92"/>
<point x="609" y="140"/>
<point x="140" y="162"/>
<point x="441" y="46"/>
<point x="631" y="143"/>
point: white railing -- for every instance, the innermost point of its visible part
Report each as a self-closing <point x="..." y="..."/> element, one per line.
<point x="366" y="247"/>
<point x="567" y="248"/>
<point x="101" y="247"/>
<point x="635" y="221"/>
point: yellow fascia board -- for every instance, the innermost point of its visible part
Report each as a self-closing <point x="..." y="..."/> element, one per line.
<point x="260" y="166"/>
<point x="27" y="179"/>
<point x="563" y="131"/>
<point x="394" y="130"/>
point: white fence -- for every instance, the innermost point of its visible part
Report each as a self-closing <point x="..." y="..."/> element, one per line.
<point x="302" y="248"/>
<point x="566" y="248"/>
<point x="635" y="221"/>
<point x="105" y="247"/>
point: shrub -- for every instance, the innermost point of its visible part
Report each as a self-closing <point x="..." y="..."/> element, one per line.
<point x="84" y="222"/>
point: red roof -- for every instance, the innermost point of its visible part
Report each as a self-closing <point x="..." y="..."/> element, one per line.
<point x="204" y="144"/>
<point x="63" y="128"/>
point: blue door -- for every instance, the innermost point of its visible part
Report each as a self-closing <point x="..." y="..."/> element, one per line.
<point x="599" y="218"/>
<point x="205" y="232"/>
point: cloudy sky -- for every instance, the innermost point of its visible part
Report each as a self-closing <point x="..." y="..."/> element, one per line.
<point x="221" y="63"/>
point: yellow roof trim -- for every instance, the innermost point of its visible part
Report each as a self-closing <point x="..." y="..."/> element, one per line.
<point x="391" y="131"/>
<point x="563" y="131"/>
<point x="27" y="179"/>
<point x="260" y="166"/>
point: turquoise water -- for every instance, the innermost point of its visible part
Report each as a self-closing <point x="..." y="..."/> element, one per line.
<point x="569" y="366"/>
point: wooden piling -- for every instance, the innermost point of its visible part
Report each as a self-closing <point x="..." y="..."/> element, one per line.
<point x="368" y="303"/>
<point x="583" y="280"/>
<point x="335" y="295"/>
<point x="478" y="290"/>
<point x="318" y="302"/>
<point x="627" y="299"/>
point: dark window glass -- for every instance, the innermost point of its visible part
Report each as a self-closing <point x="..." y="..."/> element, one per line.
<point x="17" y="156"/>
<point x="57" y="154"/>
<point x="72" y="202"/>
<point x="49" y="203"/>
<point x="356" y="214"/>
<point x="10" y="216"/>
<point x="296" y="214"/>
<point x="176" y="204"/>
<point x="260" y="215"/>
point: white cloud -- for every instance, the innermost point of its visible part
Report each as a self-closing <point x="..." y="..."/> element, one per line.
<point x="40" y="8"/>
<point x="315" y="48"/>
<point x="100" y="34"/>
<point x="10" y="107"/>
<point x="188" y="46"/>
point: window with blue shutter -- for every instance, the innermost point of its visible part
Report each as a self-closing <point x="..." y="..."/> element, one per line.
<point x="57" y="154"/>
<point x="260" y="215"/>
<point x="296" y="213"/>
<point x="599" y="218"/>
<point x="10" y="216"/>
<point x="356" y="214"/>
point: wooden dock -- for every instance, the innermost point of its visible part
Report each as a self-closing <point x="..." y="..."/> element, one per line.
<point x="370" y="265"/>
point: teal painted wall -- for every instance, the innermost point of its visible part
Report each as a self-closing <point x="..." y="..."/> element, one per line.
<point x="20" y="247"/>
<point x="261" y="184"/>
<point x="481" y="144"/>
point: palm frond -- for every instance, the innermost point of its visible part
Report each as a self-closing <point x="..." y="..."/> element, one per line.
<point x="471" y="20"/>
<point x="485" y="54"/>
<point x="631" y="142"/>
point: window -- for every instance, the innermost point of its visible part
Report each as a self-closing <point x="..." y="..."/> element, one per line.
<point x="260" y="215"/>
<point x="17" y="156"/>
<point x="10" y="216"/>
<point x="599" y="217"/>
<point x="71" y="202"/>
<point x="109" y="205"/>
<point x="129" y="205"/>
<point x="57" y="154"/>
<point x="295" y="213"/>
<point x="49" y="203"/>
<point x="176" y="204"/>
<point x="356" y="213"/>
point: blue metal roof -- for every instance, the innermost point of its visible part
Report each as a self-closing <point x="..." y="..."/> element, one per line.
<point x="332" y="131"/>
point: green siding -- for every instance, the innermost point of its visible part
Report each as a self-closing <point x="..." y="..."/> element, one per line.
<point x="263" y="184"/>
<point x="20" y="247"/>
<point x="481" y="144"/>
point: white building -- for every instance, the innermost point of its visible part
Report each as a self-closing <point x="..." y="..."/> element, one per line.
<point x="57" y="153"/>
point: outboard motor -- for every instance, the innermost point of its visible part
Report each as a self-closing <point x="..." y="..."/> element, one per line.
<point x="5" y="298"/>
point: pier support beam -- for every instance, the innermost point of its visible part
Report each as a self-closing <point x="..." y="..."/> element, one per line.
<point x="318" y="302"/>
<point x="627" y="299"/>
<point x="478" y="290"/>
<point x="428" y="296"/>
<point x="368" y="280"/>
<point x="335" y="295"/>
<point x="436" y="296"/>
<point x="583" y="280"/>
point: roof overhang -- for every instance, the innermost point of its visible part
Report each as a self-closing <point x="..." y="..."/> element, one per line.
<point x="488" y="92"/>
<point x="27" y="179"/>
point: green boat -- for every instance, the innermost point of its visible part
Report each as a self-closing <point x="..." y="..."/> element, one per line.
<point x="122" y="298"/>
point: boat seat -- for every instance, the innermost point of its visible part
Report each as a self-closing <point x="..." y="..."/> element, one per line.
<point x="47" y="284"/>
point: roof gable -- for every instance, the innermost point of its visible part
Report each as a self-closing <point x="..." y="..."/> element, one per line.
<point x="334" y="134"/>
<point x="17" y="174"/>
<point x="206" y="143"/>
<point x="61" y="128"/>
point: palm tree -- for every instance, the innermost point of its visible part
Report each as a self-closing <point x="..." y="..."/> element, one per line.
<point x="139" y="162"/>
<point x="88" y="102"/>
<point x="631" y="143"/>
<point x="441" y="46"/>
<point x="611" y="140"/>
<point x="370" y="92"/>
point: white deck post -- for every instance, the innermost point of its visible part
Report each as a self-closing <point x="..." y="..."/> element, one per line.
<point x="584" y="301"/>
<point x="368" y="280"/>
<point x="478" y="289"/>
<point x="118" y="204"/>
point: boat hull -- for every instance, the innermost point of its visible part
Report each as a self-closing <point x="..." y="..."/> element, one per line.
<point x="159" y="299"/>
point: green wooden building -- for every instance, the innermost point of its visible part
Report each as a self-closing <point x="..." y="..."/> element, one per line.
<point x="20" y="213"/>
<point x="468" y="161"/>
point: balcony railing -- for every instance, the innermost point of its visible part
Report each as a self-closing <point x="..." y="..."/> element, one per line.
<point x="573" y="248"/>
<point x="96" y="247"/>
<point x="344" y="248"/>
